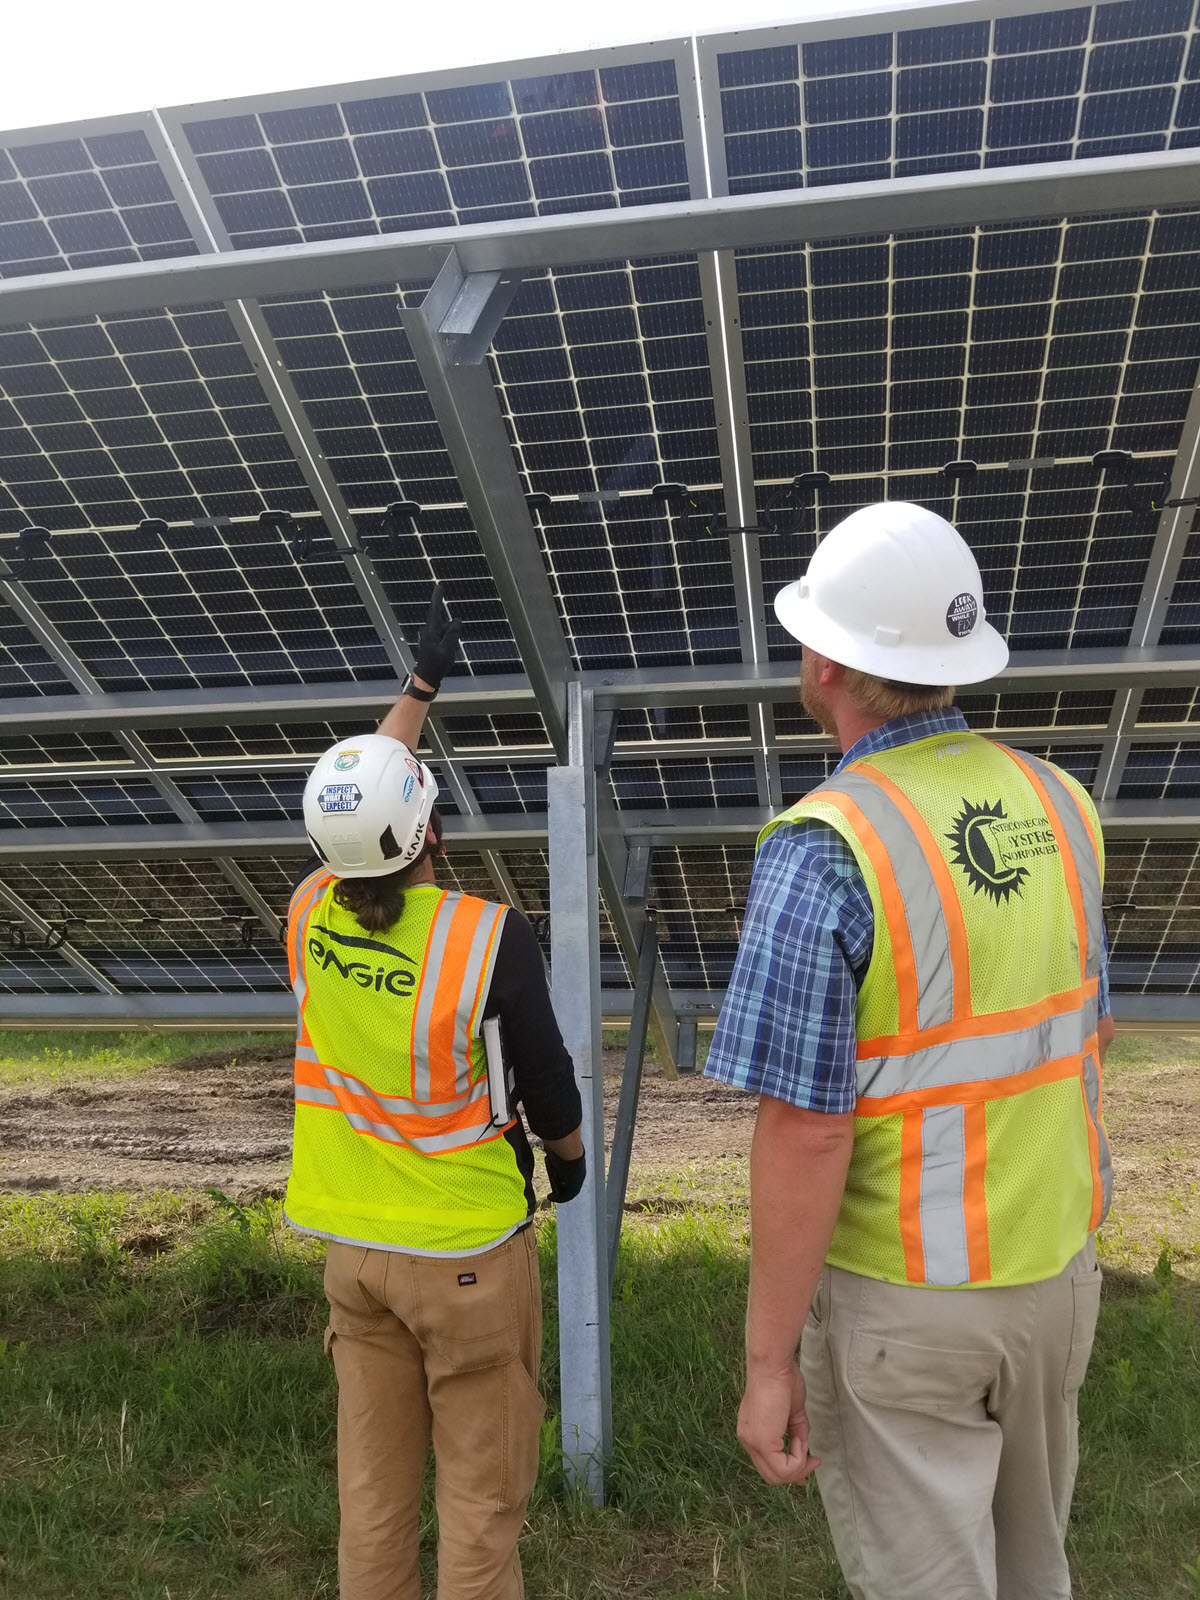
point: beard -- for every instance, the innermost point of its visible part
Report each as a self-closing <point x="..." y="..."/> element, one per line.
<point x="813" y="698"/>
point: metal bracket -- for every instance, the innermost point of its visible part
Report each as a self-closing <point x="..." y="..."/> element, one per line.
<point x="605" y="738"/>
<point x="685" y="1048"/>
<point x="631" y="1087"/>
<point x="474" y="317"/>
<point x="637" y="874"/>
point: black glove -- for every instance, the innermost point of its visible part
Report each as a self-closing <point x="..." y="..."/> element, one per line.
<point x="566" y="1177"/>
<point x="437" y="645"/>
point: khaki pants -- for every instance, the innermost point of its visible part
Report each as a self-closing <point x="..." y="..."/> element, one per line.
<point x="443" y="1350"/>
<point x="946" y="1424"/>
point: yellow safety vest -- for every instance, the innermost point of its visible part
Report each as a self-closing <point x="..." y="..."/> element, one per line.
<point x="980" y="1155"/>
<point x="394" y="1144"/>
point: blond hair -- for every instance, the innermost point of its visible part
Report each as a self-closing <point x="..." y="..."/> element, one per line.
<point x="880" y="698"/>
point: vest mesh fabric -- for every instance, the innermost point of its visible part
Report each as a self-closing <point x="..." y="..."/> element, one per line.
<point x="354" y="1176"/>
<point x="975" y="1154"/>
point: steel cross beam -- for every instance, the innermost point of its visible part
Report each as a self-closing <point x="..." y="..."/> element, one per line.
<point x="718" y="290"/>
<point x="938" y="200"/>
<point x="464" y="402"/>
<point x="735" y="682"/>
<point x="520" y="830"/>
<point x="72" y="668"/>
<point x="1174" y="524"/>
<point x="187" y="183"/>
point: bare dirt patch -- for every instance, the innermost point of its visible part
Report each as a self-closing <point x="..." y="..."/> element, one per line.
<point x="225" y="1119"/>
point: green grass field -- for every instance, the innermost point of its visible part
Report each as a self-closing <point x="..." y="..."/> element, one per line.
<point x="167" y="1415"/>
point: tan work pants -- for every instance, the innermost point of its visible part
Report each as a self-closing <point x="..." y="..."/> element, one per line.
<point x="946" y="1423"/>
<point x="447" y="1350"/>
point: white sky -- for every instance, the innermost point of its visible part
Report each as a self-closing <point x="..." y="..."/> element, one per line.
<point x="64" y="60"/>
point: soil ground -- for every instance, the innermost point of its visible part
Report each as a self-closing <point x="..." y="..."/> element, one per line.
<point x="224" y="1119"/>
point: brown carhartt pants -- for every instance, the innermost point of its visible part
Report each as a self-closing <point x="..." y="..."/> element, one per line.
<point x="946" y="1424"/>
<point x="446" y="1350"/>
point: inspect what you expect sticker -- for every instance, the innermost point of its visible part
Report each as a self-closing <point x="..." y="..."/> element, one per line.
<point x="339" y="797"/>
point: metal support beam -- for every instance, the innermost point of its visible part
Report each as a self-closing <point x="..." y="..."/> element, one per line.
<point x="637" y="876"/>
<point x="520" y="830"/>
<point x="1133" y="1012"/>
<point x="575" y="972"/>
<point x="1174" y="525"/>
<point x="937" y="200"/>
<point x="631" y="1088"/>
<point x="468" y="414"/>
<point x="200" y="211"/>
<point x="1165" y="667"/>
<point x="687" y="1046"/>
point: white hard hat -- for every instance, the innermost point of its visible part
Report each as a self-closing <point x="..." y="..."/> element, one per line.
<point x="366" y="806"/>
<point x="894" y="590"/>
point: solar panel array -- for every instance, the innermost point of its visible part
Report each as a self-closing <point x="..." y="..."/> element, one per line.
<point x="979" y="370"/>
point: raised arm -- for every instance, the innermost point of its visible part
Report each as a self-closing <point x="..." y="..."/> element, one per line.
<point x="436" y="650"/>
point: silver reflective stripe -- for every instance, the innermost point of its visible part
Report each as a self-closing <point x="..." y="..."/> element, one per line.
<point x="305" y="1052"/>
<point x="434" y="954"/>
<point x="1091" y="1087"/>
<point x="919" y="891"/>
<point x="404" y="1108"/>
<point x="429" y="1145"/>
<point x="480" y="961"/>
<point x="998" y="1055"/>
<point x="300" y="986"/>
<point x="307" y="1095"/>
<point x="1080" y="842"/>
<point x="943" y="1225"/>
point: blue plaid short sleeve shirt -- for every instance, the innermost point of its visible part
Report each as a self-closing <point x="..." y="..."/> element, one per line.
<point x="787" y="1027"/>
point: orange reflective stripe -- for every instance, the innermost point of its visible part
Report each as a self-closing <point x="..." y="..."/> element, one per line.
<point x="979" y="1254"/>
<point x="473" y="1114"/>
<point x="1093" y="1133"/>
<point x="893" y="906"/>
<point x="1066" y="855"/>
<point x="443" y="1069"/>
<point x="303" y="901"/>
<point x="960" y="959"/>
<point x="981" y="1027"/>
<point x="967" y="1094"/>
<point x="910" y="1196"/>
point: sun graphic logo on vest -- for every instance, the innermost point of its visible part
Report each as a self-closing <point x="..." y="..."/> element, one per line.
<point x="991" y="848"/>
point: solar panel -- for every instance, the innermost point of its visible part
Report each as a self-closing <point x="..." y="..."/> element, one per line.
<point x="1100" y="80"/>
<point x="435" y="157"/>
<point x="86" y="202"/>
<point x="649" y="402"/>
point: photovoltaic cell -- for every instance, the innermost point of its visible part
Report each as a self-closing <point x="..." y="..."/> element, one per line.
<point x="1094" y="81"/>
<point x="161" y="925"/>
<point x="1152" y="912"/>
<point x="92" y="202"/>
<point x="1161" y="772"/>
<point x="59" y="748"/>
<point x="700" y="895"/>
<point x="881" y="362"/>
<point x="81" y="802"/>
<point x="539" y="146"/>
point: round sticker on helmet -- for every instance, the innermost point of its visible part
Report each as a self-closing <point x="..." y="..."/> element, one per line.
<point x="347" y="760"/>
<point x="961" y="614"/>
<point x="408" y="787"/>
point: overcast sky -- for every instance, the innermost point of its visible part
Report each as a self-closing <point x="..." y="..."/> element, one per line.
<point x="68" y="59"/>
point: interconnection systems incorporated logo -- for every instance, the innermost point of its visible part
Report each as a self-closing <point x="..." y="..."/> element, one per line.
<point x="990" y="848"/>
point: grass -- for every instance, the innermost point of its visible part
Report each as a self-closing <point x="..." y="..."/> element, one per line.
<point x="61" y="1057"/>
<point x="168" y="1421"/>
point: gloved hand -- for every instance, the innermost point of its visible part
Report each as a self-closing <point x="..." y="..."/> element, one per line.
<point x="566" y="1177"/>
<point x="438" y="643"/>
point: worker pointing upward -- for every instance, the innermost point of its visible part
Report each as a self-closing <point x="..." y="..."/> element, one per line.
<point x="410" y="1158"/>
<point x="920" y="998"/>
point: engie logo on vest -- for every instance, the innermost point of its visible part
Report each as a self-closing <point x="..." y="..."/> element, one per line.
<point x="992" y="848"/>
<point x="377" y="975"/>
